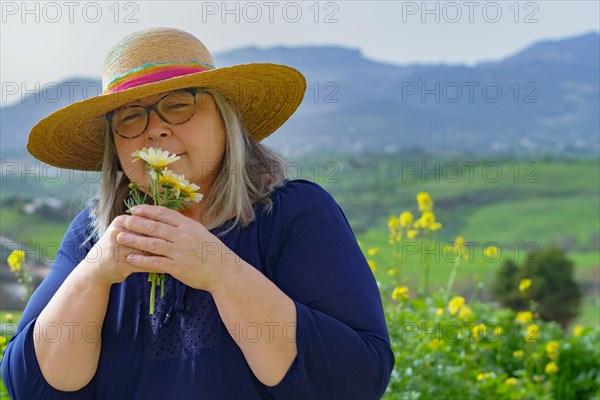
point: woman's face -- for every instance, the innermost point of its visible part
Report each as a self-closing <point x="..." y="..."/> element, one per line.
<point x="200" y="142"/>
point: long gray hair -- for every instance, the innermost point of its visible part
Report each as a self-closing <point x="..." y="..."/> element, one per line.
<point x="249" y="173"/>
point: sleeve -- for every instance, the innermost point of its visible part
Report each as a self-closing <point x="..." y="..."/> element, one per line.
<point x="21" y="373"/>
<point x="342" y="340"/>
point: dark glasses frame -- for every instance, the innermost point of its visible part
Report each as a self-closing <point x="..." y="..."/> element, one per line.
<point x="154" y="106"/>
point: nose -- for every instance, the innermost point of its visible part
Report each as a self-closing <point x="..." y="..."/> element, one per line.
<point x="157" y="128"/>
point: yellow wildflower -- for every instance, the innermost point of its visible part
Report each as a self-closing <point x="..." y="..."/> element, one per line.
<point x="483" y="376"/>
<point x="157" y="158"/>
<point x="372" y="251"/>
<point x="400" y="292"/>
<point x="518" y="354"/>
<point x="524" y="317"/>
<point x="406" y="219"/>
<point x="392" y="271"/>
<point x="491" y="252"/>
<point x="458" y="247"/>
<point x="2" y="340"/>
<point x="412" y="233"/>
<point x="524" y="284"/>
<point x="394" y="227"/>
<point x="434" y="344"/>
<point x="478" y="330"/>
<point x="170" y="179"/>
<point x="465" y="313"/>
<point x="425" y="202"/>
<point x="372" y="265"/>
<point x="498" y="331"/>
<point x="532" y="332"/>
<point x="578" y="330"/>
<point x="193" y="196"/>
<point x="511" y="381"/>
<point x="551" y="368"/>
<point x="15" y="260"/>
<point x="439" y="312"/>
<point x="455" y="304"/>
<point x="435" y="226"/>
<point x="427" y="218"/>
<point x="188" y="190"/>
<point x="8" y="317"/>
<point x="552" y="349"/>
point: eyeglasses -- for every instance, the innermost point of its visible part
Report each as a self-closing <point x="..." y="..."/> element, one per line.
<point x="174" y="108"/>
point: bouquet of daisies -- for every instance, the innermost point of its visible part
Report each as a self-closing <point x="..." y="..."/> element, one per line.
<point x="166" y="189"/>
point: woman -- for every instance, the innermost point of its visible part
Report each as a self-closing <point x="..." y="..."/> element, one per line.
<point x="267" y="294"/>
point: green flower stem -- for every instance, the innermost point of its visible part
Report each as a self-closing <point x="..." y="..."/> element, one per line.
<point x="398" y="263"/>
<point x="152" y="280"/>
<point x="25" y="281"/>
<point x="426" y="272"/>
<point x="154" y="277"/>
<point x="161" y="195"/>
<point x="452" y="276"/>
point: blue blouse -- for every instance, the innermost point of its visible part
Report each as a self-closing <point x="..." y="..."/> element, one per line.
<point x="305" y="246"/>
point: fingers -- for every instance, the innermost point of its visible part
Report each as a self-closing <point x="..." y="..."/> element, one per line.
<point x="148" y="227"/>
<point x="153" y="245"/>
<point x="158" y="213"/>
<point x="149" y="263"/>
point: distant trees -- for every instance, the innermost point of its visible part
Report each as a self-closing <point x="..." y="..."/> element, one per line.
<point x="554" y="293"/>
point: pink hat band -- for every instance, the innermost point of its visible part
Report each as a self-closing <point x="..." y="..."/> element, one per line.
<point x="155" y="72"/>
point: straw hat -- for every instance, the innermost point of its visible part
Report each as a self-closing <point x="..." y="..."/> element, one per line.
<point x="159" y="60"/>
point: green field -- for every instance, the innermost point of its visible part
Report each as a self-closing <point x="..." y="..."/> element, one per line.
<point x="520" y="204"/>
<point x="32" y="230"/>
<point x="540" y="220"/>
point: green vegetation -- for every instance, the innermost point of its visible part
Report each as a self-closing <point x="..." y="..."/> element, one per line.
<point x="554" y="293"/>
<point x="37" y="233"/>
<point x="518" y="206"/>
<point x="449" y="348"/>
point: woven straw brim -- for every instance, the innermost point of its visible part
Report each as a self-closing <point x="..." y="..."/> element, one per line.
<point x="74" y="137"/>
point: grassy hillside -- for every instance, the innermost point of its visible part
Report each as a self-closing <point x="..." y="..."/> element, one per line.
<point x="34" y="231"/>
<point x="517" y="203"/>
<point x="496" y="200"/>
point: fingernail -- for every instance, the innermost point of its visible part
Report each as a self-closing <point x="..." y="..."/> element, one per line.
<point x="134" y="208"/>
<point x="132" y="258"/>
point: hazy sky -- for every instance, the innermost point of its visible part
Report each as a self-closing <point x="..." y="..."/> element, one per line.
<point x="45" y="42"/>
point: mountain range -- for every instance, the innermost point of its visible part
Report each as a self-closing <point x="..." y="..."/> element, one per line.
<point x="542" y="99"/>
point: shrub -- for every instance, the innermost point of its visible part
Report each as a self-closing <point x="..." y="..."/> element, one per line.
<point x="554" y="292"/>
<point x="447" y="348"/>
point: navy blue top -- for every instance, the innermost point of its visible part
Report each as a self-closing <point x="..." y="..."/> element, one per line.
<point x="305" y="246"/>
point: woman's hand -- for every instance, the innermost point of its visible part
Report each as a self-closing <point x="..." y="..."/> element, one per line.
<point x="109" y="258"/>
<point x="164" y="241"/>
